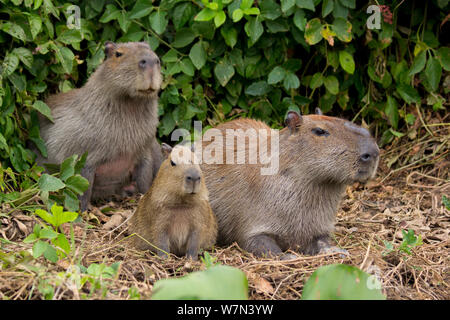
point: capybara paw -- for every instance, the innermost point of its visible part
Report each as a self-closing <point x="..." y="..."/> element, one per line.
<point x="333" y="249"/>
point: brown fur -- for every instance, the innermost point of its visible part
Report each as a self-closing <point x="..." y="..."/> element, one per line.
<point x="114" y="118"/>
<point x="173" y="218"/>
<point x="295" y="208"/>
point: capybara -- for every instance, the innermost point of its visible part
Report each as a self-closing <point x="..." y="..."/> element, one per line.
<point x="114" y="118"/>
<point x="295" y="207"/>
<point x="175" y="215"/>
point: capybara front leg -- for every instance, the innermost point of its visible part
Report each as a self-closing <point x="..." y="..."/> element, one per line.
<point x="262" y="245"/>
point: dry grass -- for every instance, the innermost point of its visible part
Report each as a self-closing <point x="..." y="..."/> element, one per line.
<point x="408" y="198"/>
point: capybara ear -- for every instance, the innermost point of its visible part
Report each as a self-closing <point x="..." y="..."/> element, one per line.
<point x="293" y="121"/>
<point x="166" y="149"/>
<point x="110" y="47"/>
<point x="318" y="111"/>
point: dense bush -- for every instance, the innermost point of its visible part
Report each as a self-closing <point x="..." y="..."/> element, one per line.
<point x="224" y="58"/>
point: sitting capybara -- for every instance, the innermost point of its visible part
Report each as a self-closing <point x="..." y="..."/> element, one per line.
<point x="175" y="215"/>
<point x="295" y="207"/>
<point x="114" y="118"/>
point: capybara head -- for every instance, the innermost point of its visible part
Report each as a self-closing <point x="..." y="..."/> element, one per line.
<point x="182" y="170"/>
<point x="332" y="149"/>
<point x="132" y="68"/>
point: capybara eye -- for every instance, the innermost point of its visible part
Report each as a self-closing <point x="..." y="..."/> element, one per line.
<point x="172" y="163"/>
<point x="320" y="132"/>
<point x="118" y="54"/>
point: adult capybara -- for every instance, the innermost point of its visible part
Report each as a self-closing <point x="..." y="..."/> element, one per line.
<point x="175" y="215"/>
<point x="114" y="118"/>
<point x="293" y="208"/>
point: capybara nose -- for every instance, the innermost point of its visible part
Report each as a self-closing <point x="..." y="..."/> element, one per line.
<point x="143" y="63"/>
<point x="369" y="154"/>
<point x="193" y="178"/>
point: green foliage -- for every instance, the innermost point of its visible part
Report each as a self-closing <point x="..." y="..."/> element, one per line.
<point x="222" y="57"/>
<point x="341" y="282"/>
<point x="48" y="241"/>
<point x="217" y="282"/>
<point x="446" y="202"/>
<point x="410" y="240"/>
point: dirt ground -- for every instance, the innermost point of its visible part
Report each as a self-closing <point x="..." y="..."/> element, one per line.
<point x="370" y="216"/>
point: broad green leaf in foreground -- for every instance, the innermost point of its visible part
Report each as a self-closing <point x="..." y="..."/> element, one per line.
<point x="215" y="283"/>
<point x="342" y="282"/>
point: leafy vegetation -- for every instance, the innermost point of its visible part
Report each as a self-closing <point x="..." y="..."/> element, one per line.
<point x="341" y="282"/>
<point x="217" y="282"/>
<point x="410" y="240"/>
<point x="227" y="57"/>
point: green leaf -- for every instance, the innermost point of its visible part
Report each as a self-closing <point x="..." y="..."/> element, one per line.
<point x="257" y="88"/>
<point x="254" y="29"/>
<point x="306" y="4"/>
<point x="60" y="216"/>
<point x="408" y="93"/>
<point x="141" y="9"/>
<point x="197" y="55"/>
<point x="24" y="55"/>
<point x="187" y="67"/>
<point x="332" y="84"/>
<point x="43" y="108"/>
<point x="62" y="243"/>
<point x="14" y="30"/>
<point x="50" y="183"/>
<point x="419" y="63"/>
<point x="230" y="36"/>
<point x="80" y="163"/>
<point x="287" y="5"/>
<point x="50" y="254"/>
<point x="291" y="81"/>
<point x="349" y="3"/>
<point x="219" y="19"/>
<point x="124" y="21"/>
<point x="19" y="81"/>
<point x="70" y="36"/>
<point x="224" y="71"/>
<point x="47" y="233"/>
<point x="433" y="73"/>
<point x="35" y="23"/>
<point x="346" y="61"/>
<point x="217" y="282"/>
<point x="343" y="29"/>
<point x="269" y="9"/>
<point x="237" y="15"/>
<point x="312" y="31"/>
<point x="68" y="167"/>
<point x="300" y="20"/>
<point x="77" y="183"/>
<point x="10" y="64"/>
<point x="65" y="56"/>
<point x="327" y="7"/>
<point x="316" y="80"/>
<point x="444" y="57"/>
<point x="276" y="75"/>
<point x="205" y="14"/>
<point x="39" y="248"/>
<point x="391" y="111"/>
<point x="342" y="282"/>
<point x="158" y="21"/>
<point x="44" y="215"/>
<point x="446" y="202"/>
<point x="246" y="4"/>
<point x="183" y="37"/>
<point x="111" y="13"/>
